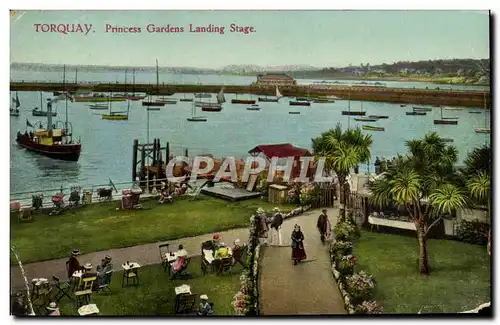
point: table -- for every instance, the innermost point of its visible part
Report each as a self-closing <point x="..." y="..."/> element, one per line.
<point x="87" y="310"/>
<point x="208" y="254"/>
<point x="131" y="271"/>
<point x="40" y="294"/>
<point x="180" y="291"/>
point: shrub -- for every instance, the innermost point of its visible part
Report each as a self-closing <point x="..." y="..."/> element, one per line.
<point x="360" y="286"/>
<point x="346" y="265"/>
<point x="344" y="231"/>
<point x="473" y="232"/>
<point x="369" y="307"/>
<point x="340" y="248"/>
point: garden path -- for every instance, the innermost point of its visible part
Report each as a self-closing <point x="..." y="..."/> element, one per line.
<point x="305" y="289"/>
<point x="143" y="254"/>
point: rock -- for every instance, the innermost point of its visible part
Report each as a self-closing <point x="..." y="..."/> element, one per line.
<point x="351" y="310"/>
<point x="344" y="293"/>
<point x="341" y="286"/>
<point x="336" y="274"/>
<point x="347" y="300"/>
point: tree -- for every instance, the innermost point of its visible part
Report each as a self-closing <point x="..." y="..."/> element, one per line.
<point x="476" y="178"/>
<point x="342" y="151"/>
<point x="425" y="183"/>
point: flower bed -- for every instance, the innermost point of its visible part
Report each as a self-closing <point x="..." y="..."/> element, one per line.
<point x="246" y="300"/>
<point x="356" y="287"/>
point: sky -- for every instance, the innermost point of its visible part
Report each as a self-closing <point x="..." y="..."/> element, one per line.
<point x="317" y="38"/>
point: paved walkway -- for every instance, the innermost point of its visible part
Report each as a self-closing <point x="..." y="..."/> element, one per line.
<point x="143" y="254"/>
<point x="307" y="288"/>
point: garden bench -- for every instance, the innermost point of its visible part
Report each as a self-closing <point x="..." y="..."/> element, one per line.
<point x="376" y="222"/>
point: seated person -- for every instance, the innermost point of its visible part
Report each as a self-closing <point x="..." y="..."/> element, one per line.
<point x="165" y="196"/>
<point x="206" y="308"/>
<point x="221" y="252"/>
<point x="102" y="269"/>
<point x="216" y="242"/>
<point x="87" y="271"/>
<point x="181" y="259"/>
<point x="53" y="309"/>
<point x="73" y="263"/>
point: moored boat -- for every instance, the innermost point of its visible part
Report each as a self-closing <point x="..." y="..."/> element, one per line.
<point x="299" y="103"/>
<point x="135" y="97"/>
<point x="97" y="98"/>
<point x="14" y="111"/>
<point x="152" y="108"/>
<point x="36" y="112"/>
<point x="475" y="112"/>
<point x="98" y="106"/>
<point x="416" y="113"/>
<point x="293" y="112"/>
<point x="253" y="108"/>
<point x="373" y="128"/>
<point x="446" y="122"/>
<point x="379" y="116"/>
<point x="323" y="100"/>
<point x="153" y="104"/>
<point x="366" y="119"/>
<point x="447" y="140"/>
<point x="453" y="108"/>
<point x="242" y="101"/>
<point x="422" y="109"/>
<point x="211" y="108"/>
<point x="354" y="113"/>
<point x="203" y="95"/>
<point x="270" y="100"/>
<point x="482" y="130"/>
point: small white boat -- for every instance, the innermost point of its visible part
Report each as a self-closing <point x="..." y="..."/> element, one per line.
<point x="453" y="108"/>
<point x="254" y="107"/>
<point x="482" y="130"/>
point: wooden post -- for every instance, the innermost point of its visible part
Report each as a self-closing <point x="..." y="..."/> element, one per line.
<point x="134" y="159"/>
<point x="143" y="160"/>
<point x="167" y="153"/>
<point x="158" y="160"/>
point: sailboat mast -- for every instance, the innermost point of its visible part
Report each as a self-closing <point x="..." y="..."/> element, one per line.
<point x="125" y="86"/>
<point x="157" y="78"/>
<point x="66" y="102"/>
<point x="41" y="102"/>
<point x="349" y="109"/>
<point x="76" y="76"/>
<point x="133" y="82"/>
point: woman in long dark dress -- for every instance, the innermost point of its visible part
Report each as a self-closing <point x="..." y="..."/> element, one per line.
<point x="298" y="252"/>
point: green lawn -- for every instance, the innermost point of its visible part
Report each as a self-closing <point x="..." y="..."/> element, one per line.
<point x="155" y="295"/>
<point x="100" y="226"/>
<point x="459" y="280"/>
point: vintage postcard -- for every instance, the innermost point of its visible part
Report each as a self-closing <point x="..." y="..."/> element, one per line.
<point x="250" y="163"/>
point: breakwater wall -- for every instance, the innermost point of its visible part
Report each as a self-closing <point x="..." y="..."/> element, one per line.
<point x="465" y="98"/>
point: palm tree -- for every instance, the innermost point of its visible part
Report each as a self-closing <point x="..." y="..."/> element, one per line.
<point x="477" y="178"/>
<point x="424" y="182"/>
<point x="342" y="151"/>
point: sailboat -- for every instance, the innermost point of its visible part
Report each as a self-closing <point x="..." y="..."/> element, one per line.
<point x="149" y="102"/>
<point x="445" y="121"/>
<point x="195" y="118"/>
<point x="116" y="115"/>
<point x="14" y="111"/>
<point x="56" y="143"/>
<point x="98" y="106"/>
<point x="355" y="113"/>
<point x="275" y="100"/>
<point x="37" y="112"/>
<point x="485" y="129"/>
<point x="214" y="107"/>
<point x="184" y="99"/>
<point x="134" y="97"/>
<point x="422" y="109"/>
<point x="453" y="108"/>
<point x="203" y="95"/>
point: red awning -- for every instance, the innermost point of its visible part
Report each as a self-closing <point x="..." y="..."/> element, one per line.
<point x="282" y="150"/>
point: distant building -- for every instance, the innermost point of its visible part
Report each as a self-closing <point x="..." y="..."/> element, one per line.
<point x="276" y="79"/>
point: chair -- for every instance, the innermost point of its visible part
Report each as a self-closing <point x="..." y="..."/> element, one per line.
<point x="131" y="274"/>
<point x="83" y="295"/>
<point x="63" y="289"/>
<point x="224" y="265"/>
<point x="164" y="261"/>
<point x="185" y="303"/>
<point x="40" y="296"/>
<point x="107" y="282"/>
<point x="238" y="255"/>
<point x="184" y="268"/>
<point x="208" y="245"/>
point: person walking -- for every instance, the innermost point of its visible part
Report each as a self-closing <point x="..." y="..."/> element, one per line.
<point x="276" y="227"/>
<point x="298" y="251"/>
<point x="322" y="225"/>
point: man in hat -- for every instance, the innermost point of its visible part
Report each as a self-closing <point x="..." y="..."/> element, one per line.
<point x="276" y="223"/>
<point x="53" y="309"/>
<point x="322" y="225"/>
<point x="216" y="241"/>
<point x="261" y="225"/>
<point x="87" y="271"/>
<point x="73" y="264"/>
<point x="102" y="269"/>
<point x="206" y="308"/>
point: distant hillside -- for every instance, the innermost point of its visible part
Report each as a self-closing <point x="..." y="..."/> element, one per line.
<point x="455" y="70"/>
